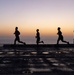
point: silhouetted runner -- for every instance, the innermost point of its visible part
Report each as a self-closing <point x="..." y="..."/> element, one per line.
<point x="38" y="37"/>
<point x="17" y="38"/>
<point x="60" y="36"/>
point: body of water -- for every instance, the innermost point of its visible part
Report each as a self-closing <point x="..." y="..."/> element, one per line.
<point x="32" y="40"/>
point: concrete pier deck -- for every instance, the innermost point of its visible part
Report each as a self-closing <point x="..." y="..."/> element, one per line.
<point x="30" y="59"/>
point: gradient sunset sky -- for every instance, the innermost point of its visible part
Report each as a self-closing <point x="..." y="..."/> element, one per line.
<point x="29" y="15"/>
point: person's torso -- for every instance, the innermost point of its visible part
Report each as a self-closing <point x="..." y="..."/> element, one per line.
<point x="38" y="35"/>
<point x="17" y="33"/>
<point x="59" y="33"/>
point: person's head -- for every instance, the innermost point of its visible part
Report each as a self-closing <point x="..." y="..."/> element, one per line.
<point x="59" y="28"/>
<point x="16" y="28"/>
<point x="37" y="30"/>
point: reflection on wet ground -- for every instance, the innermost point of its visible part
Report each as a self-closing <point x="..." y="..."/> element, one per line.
<point x="36" y="61"/>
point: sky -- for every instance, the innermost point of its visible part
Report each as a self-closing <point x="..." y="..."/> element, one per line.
<point x="29" y="15"/>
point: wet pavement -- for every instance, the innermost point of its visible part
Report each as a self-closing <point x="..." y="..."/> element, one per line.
<point x="36" y="61"/>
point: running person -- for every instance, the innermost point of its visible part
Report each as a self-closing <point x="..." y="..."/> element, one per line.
<point x="60" y="36"/>
<point x="17" y="38"/>
<point x="38" y="37"/>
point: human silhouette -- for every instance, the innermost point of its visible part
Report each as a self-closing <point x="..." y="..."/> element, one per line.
<point x="60" y="36"/>
<point x="38" y="37"/>
<point x="17" y="38"/>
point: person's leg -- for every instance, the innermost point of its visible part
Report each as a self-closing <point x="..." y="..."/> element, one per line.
<point x="58" y="41"/>
<point x="65" y="41"/>
<point x="42" y="42"/>
<point x="62" y="39"/>
<point x="21" y="41"/>
<point x="15" y="41"/>
<point x="37" y="41"/>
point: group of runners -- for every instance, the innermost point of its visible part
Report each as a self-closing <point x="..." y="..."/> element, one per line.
<point x="17" y="38"/>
